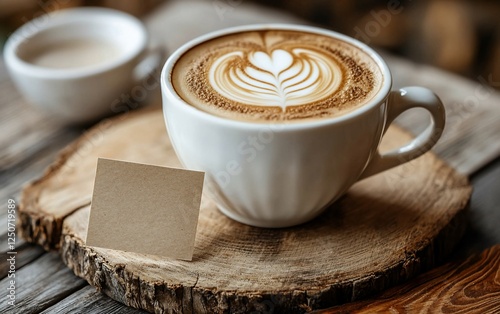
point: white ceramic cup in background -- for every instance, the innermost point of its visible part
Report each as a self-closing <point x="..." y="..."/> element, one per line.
<point x="77" y="94"/>
<point x="299" y="168"/>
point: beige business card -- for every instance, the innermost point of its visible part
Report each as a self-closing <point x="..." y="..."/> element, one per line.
<point x="145" y="209"/>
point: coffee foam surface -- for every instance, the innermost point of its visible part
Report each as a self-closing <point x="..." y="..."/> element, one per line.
<point x="276" y="75"/>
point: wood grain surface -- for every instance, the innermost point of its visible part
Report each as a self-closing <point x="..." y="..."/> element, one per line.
<point x="386" y="230"/>
<point x="460" y="287"/>
<point x="90" y="300"/>
<point x="39" y="285"/>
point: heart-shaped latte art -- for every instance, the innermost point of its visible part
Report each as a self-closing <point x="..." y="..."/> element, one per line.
<point x="282" y="78"/>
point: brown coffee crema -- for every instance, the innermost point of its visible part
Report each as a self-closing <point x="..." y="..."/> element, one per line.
<point x="276" y="75"/>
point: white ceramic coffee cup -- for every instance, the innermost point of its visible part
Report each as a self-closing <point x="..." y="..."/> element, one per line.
<point x="284" y="174"/>
<point x="80" y="94"/>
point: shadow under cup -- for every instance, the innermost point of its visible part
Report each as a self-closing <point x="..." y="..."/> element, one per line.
<point x="284" y="174"/>
<point x="73" y="63"/>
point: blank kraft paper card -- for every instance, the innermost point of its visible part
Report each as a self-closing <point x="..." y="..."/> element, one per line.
<point x="145" y="209"/>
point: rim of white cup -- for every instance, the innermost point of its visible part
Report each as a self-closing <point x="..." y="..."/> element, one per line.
<point x="166" y="81"/>
<point x="67" y="17"/>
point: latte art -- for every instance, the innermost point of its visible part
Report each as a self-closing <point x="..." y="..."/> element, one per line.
<point x="276" y="75"/>
<point x="281" y="78"/>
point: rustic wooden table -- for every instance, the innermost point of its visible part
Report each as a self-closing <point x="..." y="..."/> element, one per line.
<point x="29" y="142"/>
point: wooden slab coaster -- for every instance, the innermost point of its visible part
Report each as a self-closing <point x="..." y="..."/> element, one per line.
<point x="385" y="230"/>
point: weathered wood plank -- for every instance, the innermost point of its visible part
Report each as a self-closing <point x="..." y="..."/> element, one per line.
<point x="32" y="166"/>
<point x="25" y="131"/>
<point x="484" y="215"/>
<point x="467" y="287"/>
<point x="13" y="179"/>
<point x="40" y="285"/>
<point x="89" y="300"/>
<point x="4" y="241"/>
<point x="26" y="253"/>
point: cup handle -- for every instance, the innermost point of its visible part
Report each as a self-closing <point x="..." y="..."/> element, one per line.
<point x="398" y="102"/>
